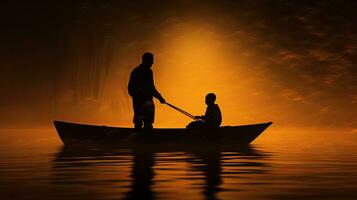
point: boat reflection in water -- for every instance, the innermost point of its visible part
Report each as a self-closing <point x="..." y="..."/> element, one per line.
<point x="155" y="173"/>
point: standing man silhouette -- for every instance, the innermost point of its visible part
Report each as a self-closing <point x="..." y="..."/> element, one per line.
<point x="142" y="90"/>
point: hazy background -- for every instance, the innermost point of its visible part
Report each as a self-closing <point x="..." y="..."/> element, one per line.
<point x="290" y="62"/>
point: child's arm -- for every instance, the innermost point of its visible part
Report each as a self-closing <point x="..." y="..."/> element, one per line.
<point x="200" y="117"/>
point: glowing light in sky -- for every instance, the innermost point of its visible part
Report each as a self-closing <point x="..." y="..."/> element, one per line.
<point x="195" y="60"/>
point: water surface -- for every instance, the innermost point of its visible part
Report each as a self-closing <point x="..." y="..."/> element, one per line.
<point x="294" y="164"/>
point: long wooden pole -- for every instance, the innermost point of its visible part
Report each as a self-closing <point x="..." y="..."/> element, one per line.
<point x="182" y="111"/>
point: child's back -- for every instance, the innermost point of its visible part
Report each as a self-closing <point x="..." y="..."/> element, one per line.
<point x="213" y="116"/>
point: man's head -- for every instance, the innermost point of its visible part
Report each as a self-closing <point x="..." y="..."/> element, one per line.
<point x="210" y="98"/>
<point x="147" y="59"/>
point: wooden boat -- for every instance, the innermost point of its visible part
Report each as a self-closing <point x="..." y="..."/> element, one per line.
<point x="77" y="134"/>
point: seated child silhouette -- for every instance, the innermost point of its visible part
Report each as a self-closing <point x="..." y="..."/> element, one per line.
<point x="212" y="117"/>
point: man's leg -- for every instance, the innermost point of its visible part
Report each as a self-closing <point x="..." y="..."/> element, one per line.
<point x="147" y="126"/>
<point x="149" y="115"/>
<point x="138" y="114"/>
<point x="138" y="125"/>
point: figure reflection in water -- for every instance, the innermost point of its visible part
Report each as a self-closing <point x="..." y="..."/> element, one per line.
<point x="209" y="164"/>
<point x="212" y="170"/>
<point x="142" y="174"/>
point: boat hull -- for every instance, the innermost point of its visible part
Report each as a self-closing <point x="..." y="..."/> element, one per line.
<point x="78" y="134"/>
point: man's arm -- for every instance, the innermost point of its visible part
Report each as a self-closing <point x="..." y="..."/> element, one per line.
<point x="155" y="93"/>
<point x="158" y="96"/>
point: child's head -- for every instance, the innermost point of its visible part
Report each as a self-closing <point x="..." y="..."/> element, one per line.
<point x="210" y="98"/>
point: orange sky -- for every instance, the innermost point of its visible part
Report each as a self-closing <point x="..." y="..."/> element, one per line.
<point x="289" y="63"/>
